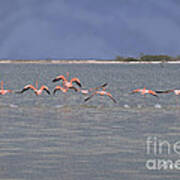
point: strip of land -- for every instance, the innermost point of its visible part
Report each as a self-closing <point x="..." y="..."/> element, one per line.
<point x="83" y="62"/>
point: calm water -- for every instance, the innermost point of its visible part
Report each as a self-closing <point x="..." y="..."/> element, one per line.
<point x="61" y="137"/>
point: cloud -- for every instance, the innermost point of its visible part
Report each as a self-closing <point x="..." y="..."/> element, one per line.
<point x="102" y="29"/>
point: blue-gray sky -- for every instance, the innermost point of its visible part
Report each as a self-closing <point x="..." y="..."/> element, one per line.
<point x="35" y="29"/>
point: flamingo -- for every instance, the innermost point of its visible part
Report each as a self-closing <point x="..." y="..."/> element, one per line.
<point x="144" y="91"/>
<point x="4" y="91"/>
<point x="64" y="89"/>
<point x="59" y="88"/>
<point x="87" y="91"/>
<point x="103" y="92"/>
<point x="35" y="89"/>
<point x="66" y="83"/>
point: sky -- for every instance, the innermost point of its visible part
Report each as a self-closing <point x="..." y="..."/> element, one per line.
<point x="104" y="29"/>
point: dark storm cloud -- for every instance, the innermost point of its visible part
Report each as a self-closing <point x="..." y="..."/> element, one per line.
<point x="84" y="28"/>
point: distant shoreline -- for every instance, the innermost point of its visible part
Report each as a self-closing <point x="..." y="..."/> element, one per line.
<point x="83" y="62"/>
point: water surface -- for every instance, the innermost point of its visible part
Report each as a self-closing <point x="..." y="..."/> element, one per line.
<point x="62" y="137"/>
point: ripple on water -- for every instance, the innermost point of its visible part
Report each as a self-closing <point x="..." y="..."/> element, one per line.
<point x="126" y="106"/>
<point x="13" y="106"/>
<point x="157" y="106"/>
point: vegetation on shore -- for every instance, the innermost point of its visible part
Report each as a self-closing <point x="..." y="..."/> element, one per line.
<point x="142" y="58"/>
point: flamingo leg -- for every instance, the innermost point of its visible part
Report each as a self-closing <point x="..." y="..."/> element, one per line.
<point x="65" y="97"/>
<point x="102" y="103"/>
<point x="176" y="103"/>
<point x="145" y="103"/>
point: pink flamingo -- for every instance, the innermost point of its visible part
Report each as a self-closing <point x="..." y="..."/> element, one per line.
<point x="4" y="91"/>
<point x="103" y="92"/>
<point x="66" y="83"/>
<point x="87" y="91"/>
<point x="59" y="88"/>
<point x="144" y="91"/>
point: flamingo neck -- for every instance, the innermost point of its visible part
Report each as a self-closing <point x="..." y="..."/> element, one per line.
<point x="36" y="84"/>
<point x="2" y="85"/>
<point x="67" y="74"/>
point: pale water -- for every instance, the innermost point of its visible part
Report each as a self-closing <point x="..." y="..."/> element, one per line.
<point x="62" y="137"/>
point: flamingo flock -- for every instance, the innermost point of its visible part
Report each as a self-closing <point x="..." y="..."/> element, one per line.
<point x="35" y="89"/>
<point x="70" y="84"/>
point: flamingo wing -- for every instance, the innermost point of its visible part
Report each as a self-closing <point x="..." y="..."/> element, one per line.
<point x="54" y="92"/>
<point x="153" y="93"/>
<point x="77" y="81"/>
<point x="89" y="97"/>
<point x="104" y="85"/>
<point x="45" y="88"/>
<point x="27" y="87"/>
<point x="58" y="78"/>
<point x="166" y="91"/>
<point x="111" y="98"/>
<point x="134" y="91"/>
<point x="57" y="88"/>
<point x="75" y="89"/>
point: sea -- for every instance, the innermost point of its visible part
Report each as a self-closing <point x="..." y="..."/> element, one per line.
<point x="62" y="137"/>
